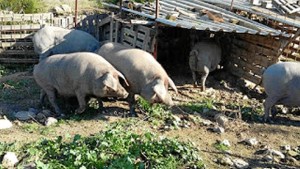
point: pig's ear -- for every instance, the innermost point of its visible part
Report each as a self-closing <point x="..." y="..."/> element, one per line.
<point x="109" y="81"/>
<point x="123" y="77"/>
<point x="172" y="85"/>
<point x="160" y="91"/>
<point x="194" y="53"/>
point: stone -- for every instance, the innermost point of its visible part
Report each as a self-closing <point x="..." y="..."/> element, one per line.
<point x="47" y="113"/>
<point x="25" y="115"/>
<point x="50" y="121"/>
<point x="9" y="160"/>
<point x="176" y="118"/>
<point x="218" y="129"/>
<point x="286" y="148"/>
<point x="226" y="143"/>
<point x="33" y="110"/>
<point x="221" y="119"/>
<point x="292" y="153"/>
<point x="251" y="141"/>
<point x="206" y="122"/>
<point x="5" y="123"/>
<point x="276" y="153"/>
<point x="240" y="164"/>
<point x="226" y="161"/>
<point x="268" y="158"/>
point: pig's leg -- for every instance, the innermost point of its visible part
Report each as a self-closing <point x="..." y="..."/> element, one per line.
<point x="42" y="97"/>
<point x="203" y="77"/>
<point x="194" y="74"/>
<point x="268" y="104"/>
<point x="82" y="103"/>
<point x="132" y="104"/>
<point x="100" y="102"/>
<point x="52" y="100"/>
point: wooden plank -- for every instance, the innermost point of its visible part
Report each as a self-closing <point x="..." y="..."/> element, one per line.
<point x="15" y="60"/>
<point x="19" y="27"/>
<point x="251" y="48"/>
<point x="25" y="17"/>
<point x="16" y="36"/>
<point x="128" y="39"/>
<point x="15" y="44"/>
<point x="17" y="52"/>
<point x="271" y="42"/>
<point x="243" y="74"/>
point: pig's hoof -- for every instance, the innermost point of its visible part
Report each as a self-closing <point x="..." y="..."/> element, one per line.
<point x="79" y="111"/>
<point x="131" y="115"/>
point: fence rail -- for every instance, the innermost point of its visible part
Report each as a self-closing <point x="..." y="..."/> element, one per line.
<point x="16" y="31"/>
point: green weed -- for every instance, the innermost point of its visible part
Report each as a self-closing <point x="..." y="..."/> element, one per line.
<point x="221" y="147"/>
<point x="206" y="104"/>
<point x="37" y="128"/>
<point x="27" y="6"/>
<point x="112" y="148"/>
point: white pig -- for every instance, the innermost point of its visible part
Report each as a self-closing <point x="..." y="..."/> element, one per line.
<point x="282" y="85"/>
<point x="78" y="74"/>
<point x="205" y="57"/>
<point x="144" y="74"/>
<point x="51" y="40"/>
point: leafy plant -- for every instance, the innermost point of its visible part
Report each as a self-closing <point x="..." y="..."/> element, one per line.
<point x="27" y="6"/>
<point x="112" y="148"/>
<point x="221" y="147"/>
<point x="206" y="104"/>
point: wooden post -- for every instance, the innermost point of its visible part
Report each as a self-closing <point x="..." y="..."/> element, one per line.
<point x="120" y="7"/>
<point x="111" y="27"/>
<point x="76" y="12"/>
<point x="231" y="6"/>
<point x="117" y="31"/>
<point x="286" y="44"/>
<point x="157" y="9"/>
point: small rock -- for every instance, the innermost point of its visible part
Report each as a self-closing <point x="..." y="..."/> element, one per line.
<point x="33" y="110"/>
<point x="268" y="158"/>
<point x="292" y="160"/>
<point x="47" y="113"/>
<point x="206" y="122"/>
<point x="9" y="160"/>
<point x="218" y="129"/>
<point x="226" y="161"/>
<point x="251" y="141"/>
<point x="41" y="117"/>
<point x="221" y="119"/>
<point x="245" y="97"/>
<point x="50" y="121"/>
<point x="276" y="153"/>
<point x="292" y="153"/>
<point x="286" y="148"/>
<point x="176" y="118"/>
<point x="226" y="143"/>
<point x="25" y="115"/>
<point x="284" y="110"/>
<point x="5" y="123"/>
<point x="240" y="164"/>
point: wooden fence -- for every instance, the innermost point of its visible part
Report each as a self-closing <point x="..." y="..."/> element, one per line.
<point x="133" y="35"/>
<point x="16" y="31"/>
<point x="251" y="54"/>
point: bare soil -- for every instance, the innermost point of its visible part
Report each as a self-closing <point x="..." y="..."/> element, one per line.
<point x="229" y="95"/>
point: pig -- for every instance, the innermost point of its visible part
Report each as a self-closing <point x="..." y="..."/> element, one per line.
<point x="204" y="57"/>
<point x="145" y="76"/>
<point x="51" y="40"/>
<point x="77" y="74"/>
<point x="282" y="86"/>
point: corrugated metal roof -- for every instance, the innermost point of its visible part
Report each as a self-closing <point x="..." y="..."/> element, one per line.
<point x="198" y="22"/>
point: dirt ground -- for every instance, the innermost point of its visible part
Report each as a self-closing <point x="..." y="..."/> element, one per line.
<point x="227" y="93"/>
